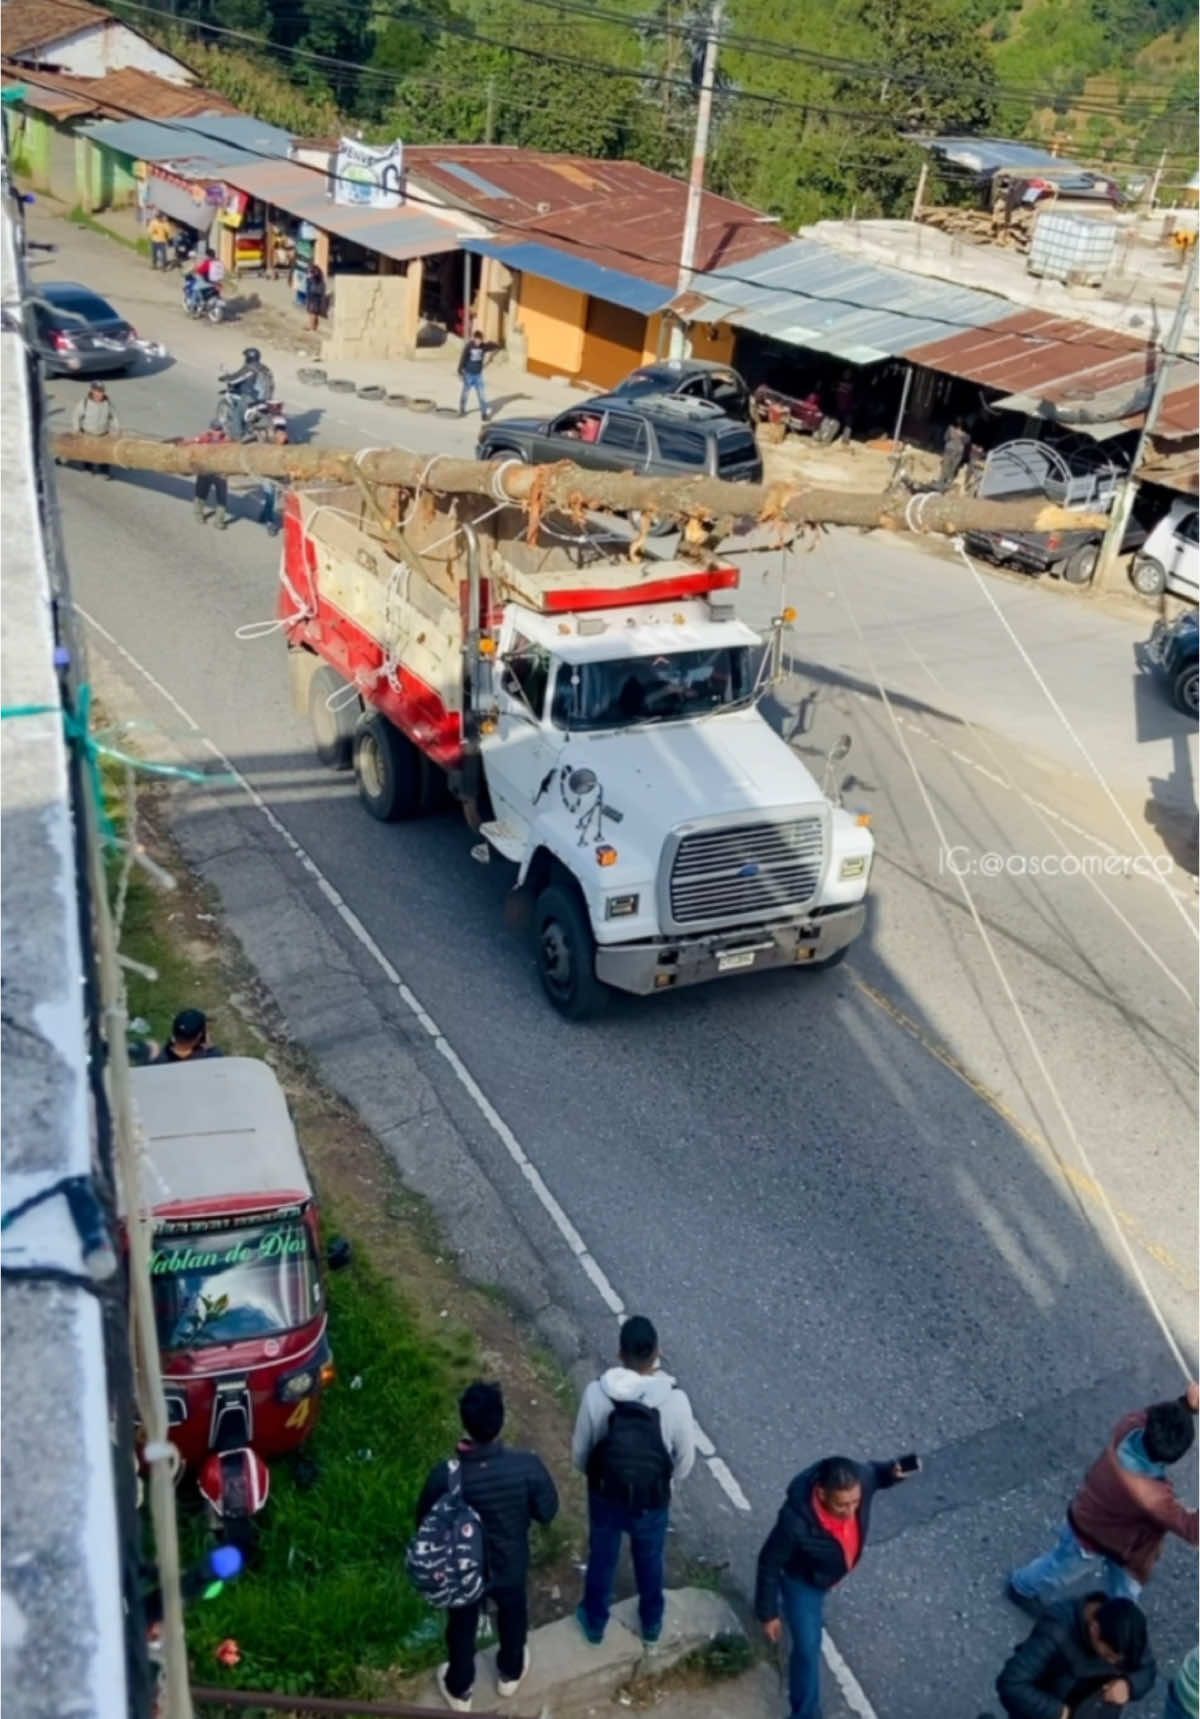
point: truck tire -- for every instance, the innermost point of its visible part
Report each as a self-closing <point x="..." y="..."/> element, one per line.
<point x="1149" y="577"/>
<point x="1080" y="565"/>
<point x="387" y="768"/>
<point x="566" y="954"/>
<point x="333" y="730"/>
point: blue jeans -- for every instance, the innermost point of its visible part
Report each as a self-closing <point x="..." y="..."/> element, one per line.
<point x="158" y="253"/>
<point x="803" y="1608"/>
<point x="1048" y="1578"/>
<point x="271" y="494"/>
<point x="473" y="384"/>
<point x="647" y="1533"/>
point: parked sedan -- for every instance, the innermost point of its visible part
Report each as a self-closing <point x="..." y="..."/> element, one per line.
<point x="78" y="333"/>
<point x="659" y="436"/>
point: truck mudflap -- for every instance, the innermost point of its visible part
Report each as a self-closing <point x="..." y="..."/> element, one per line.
<point x="671" y="962"/>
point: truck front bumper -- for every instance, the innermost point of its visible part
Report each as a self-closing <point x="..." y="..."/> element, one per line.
<point x="667" y="963"/>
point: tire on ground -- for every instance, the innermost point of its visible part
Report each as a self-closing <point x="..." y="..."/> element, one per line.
<point x="1185" y="690"/>
<point x="1149" y="577"/>
<point x="1080" y="565"/>
<point x="333" y="730"/>
<point x="566" y="953"/>
<point x="387" y="768"/>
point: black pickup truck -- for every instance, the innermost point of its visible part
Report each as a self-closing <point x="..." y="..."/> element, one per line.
<point x="1072" y="555"/>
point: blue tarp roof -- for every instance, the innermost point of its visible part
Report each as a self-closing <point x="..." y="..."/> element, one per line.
<point x="570" y="270"/>
<point x="808" y="294"/>
<point x="206" y="139"/>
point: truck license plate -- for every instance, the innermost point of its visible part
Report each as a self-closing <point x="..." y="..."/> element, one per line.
<point x="735" y="958"/>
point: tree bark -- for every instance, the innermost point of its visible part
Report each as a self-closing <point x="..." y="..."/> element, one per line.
<point x="567" y="488"/>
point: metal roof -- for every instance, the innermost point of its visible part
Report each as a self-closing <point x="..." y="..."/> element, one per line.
<point x="214" y="1127"/>
<point x="116" y="94"/>
<point x="572" y="270"/>
<point x="410" y="231"/>
<point x="1106" y="390"/>
<point x="30" y="24"/>
<point x="208" y="140"/>
<point x="617" y="214"/>
<point x="808" y="294"/>
<point x="1000" y="154"/>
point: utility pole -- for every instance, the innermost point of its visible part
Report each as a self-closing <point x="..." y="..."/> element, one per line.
<point x="1105" y="578"/>
<point x="919" y="195"/>
<point x="1156" y="182"/>
<point x="680" y="342"/>
<point x="489" y="112"/>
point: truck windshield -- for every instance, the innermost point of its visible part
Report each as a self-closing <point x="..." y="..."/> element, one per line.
<point x="634" y="690"/>
<point x="225" y="1286"/>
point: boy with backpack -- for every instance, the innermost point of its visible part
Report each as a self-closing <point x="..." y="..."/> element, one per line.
<point x="472" y="1542"/>
<point x="633" y="1437"/>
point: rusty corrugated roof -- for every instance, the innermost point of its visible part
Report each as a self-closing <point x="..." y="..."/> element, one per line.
<point x="119" y="94"/>
<point x="616" y="214"/>
<point x="30" y="24"/>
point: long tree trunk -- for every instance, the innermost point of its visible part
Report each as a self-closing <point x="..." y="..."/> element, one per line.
<point x="567" y="488"/>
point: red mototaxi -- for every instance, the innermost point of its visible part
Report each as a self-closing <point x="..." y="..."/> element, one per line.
<point x="235" y="1262"/>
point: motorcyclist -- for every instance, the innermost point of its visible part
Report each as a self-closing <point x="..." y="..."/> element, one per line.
<point x="252" y="385"/>
<point x="205" y="277"/>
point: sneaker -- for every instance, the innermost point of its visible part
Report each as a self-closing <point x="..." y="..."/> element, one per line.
<point x="590" y="1635"/>
<point x="509" y="1685"/>
<point x="456" y="1703"/>
<point x="651" y="1637"/>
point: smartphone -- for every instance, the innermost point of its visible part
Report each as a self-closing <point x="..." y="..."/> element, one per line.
<point x="909" y="1464"/>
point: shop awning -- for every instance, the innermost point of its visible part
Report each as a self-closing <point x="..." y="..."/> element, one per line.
<point x="179" y="204"/>
<point x="303" y="192"/>
<point x="568" y="269"/>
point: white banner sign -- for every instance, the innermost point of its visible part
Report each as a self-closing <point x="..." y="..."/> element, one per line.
<point x="367" y="177"/>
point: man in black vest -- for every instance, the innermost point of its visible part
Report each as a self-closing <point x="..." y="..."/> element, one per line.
<point x="633" y="1438"/>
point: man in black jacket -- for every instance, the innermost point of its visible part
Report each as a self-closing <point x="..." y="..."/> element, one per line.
<point x="508" y="1489"/>
<point x="1087" y="1657"/>
<point x="818" y="1538"/>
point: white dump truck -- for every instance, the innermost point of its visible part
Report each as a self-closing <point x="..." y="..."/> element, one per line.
<point x="597" y="716"/>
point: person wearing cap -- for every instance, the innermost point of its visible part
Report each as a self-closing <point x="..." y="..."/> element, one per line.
<point x="271" y="489"/>
<point x="95" y="415"/>
<point x="214" y="484"/>
<point x="189" y="1038"/>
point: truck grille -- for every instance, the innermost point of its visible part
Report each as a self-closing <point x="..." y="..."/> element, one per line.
<point x="749" y="871"/>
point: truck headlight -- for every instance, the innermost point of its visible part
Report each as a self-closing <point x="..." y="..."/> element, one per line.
<point x="855" y="866"/>
<point x="620" y="906"/>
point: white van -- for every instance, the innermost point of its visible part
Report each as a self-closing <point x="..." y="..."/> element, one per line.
<point x="1169" y="560"/>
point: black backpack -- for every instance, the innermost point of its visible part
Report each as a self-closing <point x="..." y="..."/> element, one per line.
<point x="445" y="1555"/>
<point x="631" y="1465"/>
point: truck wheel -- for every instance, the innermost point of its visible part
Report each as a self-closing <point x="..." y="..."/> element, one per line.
<point x="387" y="767"/>
<point x="1149" y="577"/>
<point x="1079" y="567"/>
<point x="333" y="730"/>
<point x="1185" y="690"/>
<point x="566" y="954"/>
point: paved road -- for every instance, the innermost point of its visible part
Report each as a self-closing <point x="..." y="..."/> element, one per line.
<point x="869" y="1211"/>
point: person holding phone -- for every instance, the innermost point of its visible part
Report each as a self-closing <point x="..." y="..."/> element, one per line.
<point x="818" y="1538"/>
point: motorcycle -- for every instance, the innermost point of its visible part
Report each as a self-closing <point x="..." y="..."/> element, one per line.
<point x="239" y="1301"/>
<point x="203" y="300"/>
<point x="259" y="420"/>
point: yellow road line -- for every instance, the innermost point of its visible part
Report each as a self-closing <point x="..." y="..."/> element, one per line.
<point x="1084" y="1185"/>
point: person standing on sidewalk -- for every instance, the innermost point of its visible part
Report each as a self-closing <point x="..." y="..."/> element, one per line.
<point x="314" y="293"/>
<point x="95" y="415"/>
<point x="471" y="361"/>
<point x="1089" y="1659"/>
<point x="634" y="1437"/>
<point x="818" y="1538"/>
<point x="508" y="1490"/>
<point x="159" y="234"/>
<point x="1124" y="1510"/>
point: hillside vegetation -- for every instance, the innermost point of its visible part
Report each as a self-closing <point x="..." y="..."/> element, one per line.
<point x="818" y="98"/>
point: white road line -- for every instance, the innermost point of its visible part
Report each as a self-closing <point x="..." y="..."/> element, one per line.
<point x="851" y="1689"/>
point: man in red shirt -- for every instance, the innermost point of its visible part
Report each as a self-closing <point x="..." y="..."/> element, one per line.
<point x="214" y="484"/>
<point x="818" y="1538"/>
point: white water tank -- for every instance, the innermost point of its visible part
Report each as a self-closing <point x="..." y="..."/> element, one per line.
<point x="1078" y="249"/>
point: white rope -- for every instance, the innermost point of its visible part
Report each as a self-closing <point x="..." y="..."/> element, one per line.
<point x="1027" y="1033"/>
<point x="1062" y="716"/>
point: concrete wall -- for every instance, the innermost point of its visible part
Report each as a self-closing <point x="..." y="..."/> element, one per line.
<point x="104" y="179"/>
<point x="553" y="319"/>
<point x="372" y="316"/>
<point x="110" y="47"/>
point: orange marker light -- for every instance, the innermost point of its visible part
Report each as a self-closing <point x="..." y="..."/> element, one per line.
<point x="606" y="855"/>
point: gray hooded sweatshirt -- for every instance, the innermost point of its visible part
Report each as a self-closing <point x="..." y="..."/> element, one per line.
<point x="657" y="1391"/>
<point x="96" y="417"/>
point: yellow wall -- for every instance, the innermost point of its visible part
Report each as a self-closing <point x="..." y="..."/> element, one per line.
<point x="553" y="318"/>
<point x="654" y="334"/>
